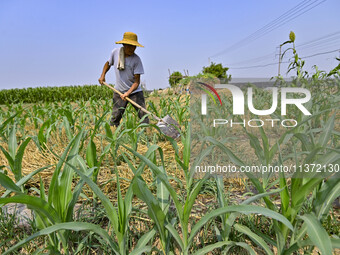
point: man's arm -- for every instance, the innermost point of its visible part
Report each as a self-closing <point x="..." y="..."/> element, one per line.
<point x="134" y="86"/>
<point x="105" y="69"/>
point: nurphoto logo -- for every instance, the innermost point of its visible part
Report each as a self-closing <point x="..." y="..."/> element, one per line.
<point x="238" y="104"/>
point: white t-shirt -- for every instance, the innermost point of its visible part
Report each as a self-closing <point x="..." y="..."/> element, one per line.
<point x="125" y="78"/>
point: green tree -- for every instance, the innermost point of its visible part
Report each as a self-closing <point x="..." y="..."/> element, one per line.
<point x="217" y="70"/>
<point x="175" y="78"/>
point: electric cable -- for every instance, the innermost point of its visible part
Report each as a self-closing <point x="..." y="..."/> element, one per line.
<point x="291" y="14"/>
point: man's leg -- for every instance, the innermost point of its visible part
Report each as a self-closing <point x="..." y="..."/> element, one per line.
<point x="118" y="109"/>
<point x="139" y="99"/>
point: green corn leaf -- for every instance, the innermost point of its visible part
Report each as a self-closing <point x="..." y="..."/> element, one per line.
<point x="228" y="244"/>
<point x="257" y="239"/>
<point x="67" y="128"/>
<point x="284" y="195"/>
<point x="220" y="191"/>
<point x="212" y="247"/>
<point x="329" y="191"/>
<point x="161" y="176"/>
<point x="91" y="154"/>
<point x="256" y="145"/>
<point x="42" y="189"/>
<point x="175" y="235"/>
<point x="226" y="150"/>
<point x="26" y="178"/>
<point x="327" y="132"/>
<point x="8" y="157"/>
<point x="18" y="159"/>
<point x="245" y="209"/>
<point x="128" y="205"/>
<point x="141" y="250"/>
<point x="317" y="234"/>
<point x="42" y="138"/>
<point x="198" y="160"/>
<point x="143" y="241"/>
<point x="121" y="207"/>
<point x="64" y="187"/>
<point x="99" y="122"/>
<point x="191" y="198"/>
<point x="186" y="150"/>
<point x="306" y="144"/>
<point x="34" y="203"/>
<point x="232" y="217"/>
<point x="162" y="192"/>
<point x="5" y="123"/>
<point x="300" y="194"/>
<point x="12" y="142"/>
<point x="108" y="132"/>
<point x="331" y="157"/>
<point x="109" y="208"/>
<point x="155" y="212"/>
<point x="76" y="192"/>
<point x="8" y="184"/>
<point x="75" y="226"/>
<point x="307" y="243"/>
<point x="247" y="247"/>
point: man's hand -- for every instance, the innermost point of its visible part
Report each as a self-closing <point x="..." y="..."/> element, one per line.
<point x="126" y="94"/>
<point x="105" y="69"/>
<point x="101" y="80"/>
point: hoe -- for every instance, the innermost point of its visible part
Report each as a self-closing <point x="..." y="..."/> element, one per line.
<point x="167" y="125"/>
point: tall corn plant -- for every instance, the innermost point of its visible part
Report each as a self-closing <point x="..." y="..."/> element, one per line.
<point x="183" y="237"/>
<point x="315" y="151"/>
<point x="58" y="205"/>
<point x="119" y="218"/>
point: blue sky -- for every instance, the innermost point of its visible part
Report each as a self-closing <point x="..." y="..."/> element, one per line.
<point x="61" y="43"/>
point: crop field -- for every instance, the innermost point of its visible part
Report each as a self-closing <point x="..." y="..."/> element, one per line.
<point x="93" y="189"/>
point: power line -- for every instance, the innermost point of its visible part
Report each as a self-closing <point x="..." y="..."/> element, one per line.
<point x="291" y="14"/>
<point x="326" y="37"/>
<point x="329" y="41"/>
<point x="270" y="64"/>
<point x="257" y="59"/>
<point x="273" y="26"/>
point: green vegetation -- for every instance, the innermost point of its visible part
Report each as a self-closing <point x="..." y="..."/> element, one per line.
<point x="131" y="190"/>
<point x="53" y="94"/>
<point x="175" y="78"/>
<point x="218" y="71"/>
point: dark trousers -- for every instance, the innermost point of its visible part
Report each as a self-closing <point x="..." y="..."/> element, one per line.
<point x="119" y="106"/>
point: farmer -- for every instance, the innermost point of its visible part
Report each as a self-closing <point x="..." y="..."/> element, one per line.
<point x="128" y="68"/>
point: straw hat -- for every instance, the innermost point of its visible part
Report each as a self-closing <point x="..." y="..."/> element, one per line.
<point x="130" y="38"/>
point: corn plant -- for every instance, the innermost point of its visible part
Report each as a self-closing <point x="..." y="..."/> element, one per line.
<point x="14" y="154"/>
<point x="185" y="241"/>
<point x="315" y="151"/>
<point x="58" y="205"/>
<point x="44" y="132"/>
<point x="3" y="125"/>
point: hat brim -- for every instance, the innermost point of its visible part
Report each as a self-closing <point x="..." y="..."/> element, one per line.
<point x="129" y="42"/>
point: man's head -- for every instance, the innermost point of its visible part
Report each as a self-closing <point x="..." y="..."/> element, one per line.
<point x="130" y="38"/>
<point x="129" y="49"/>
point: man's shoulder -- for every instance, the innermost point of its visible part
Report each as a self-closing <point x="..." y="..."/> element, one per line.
<point x="136" y="57"/>
<point x="115" y="50"/>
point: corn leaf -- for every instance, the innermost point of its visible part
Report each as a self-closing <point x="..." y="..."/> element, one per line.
<point x="34" y="203"/>
<point x="317" y="234"/>
<point x="257" y="239"/>
<point x="8" y="184"/>
<point x="245" y="209"/>
<point x="75" y="226"/>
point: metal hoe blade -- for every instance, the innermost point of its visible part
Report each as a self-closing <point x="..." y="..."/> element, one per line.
<point x="167" y="126"/>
